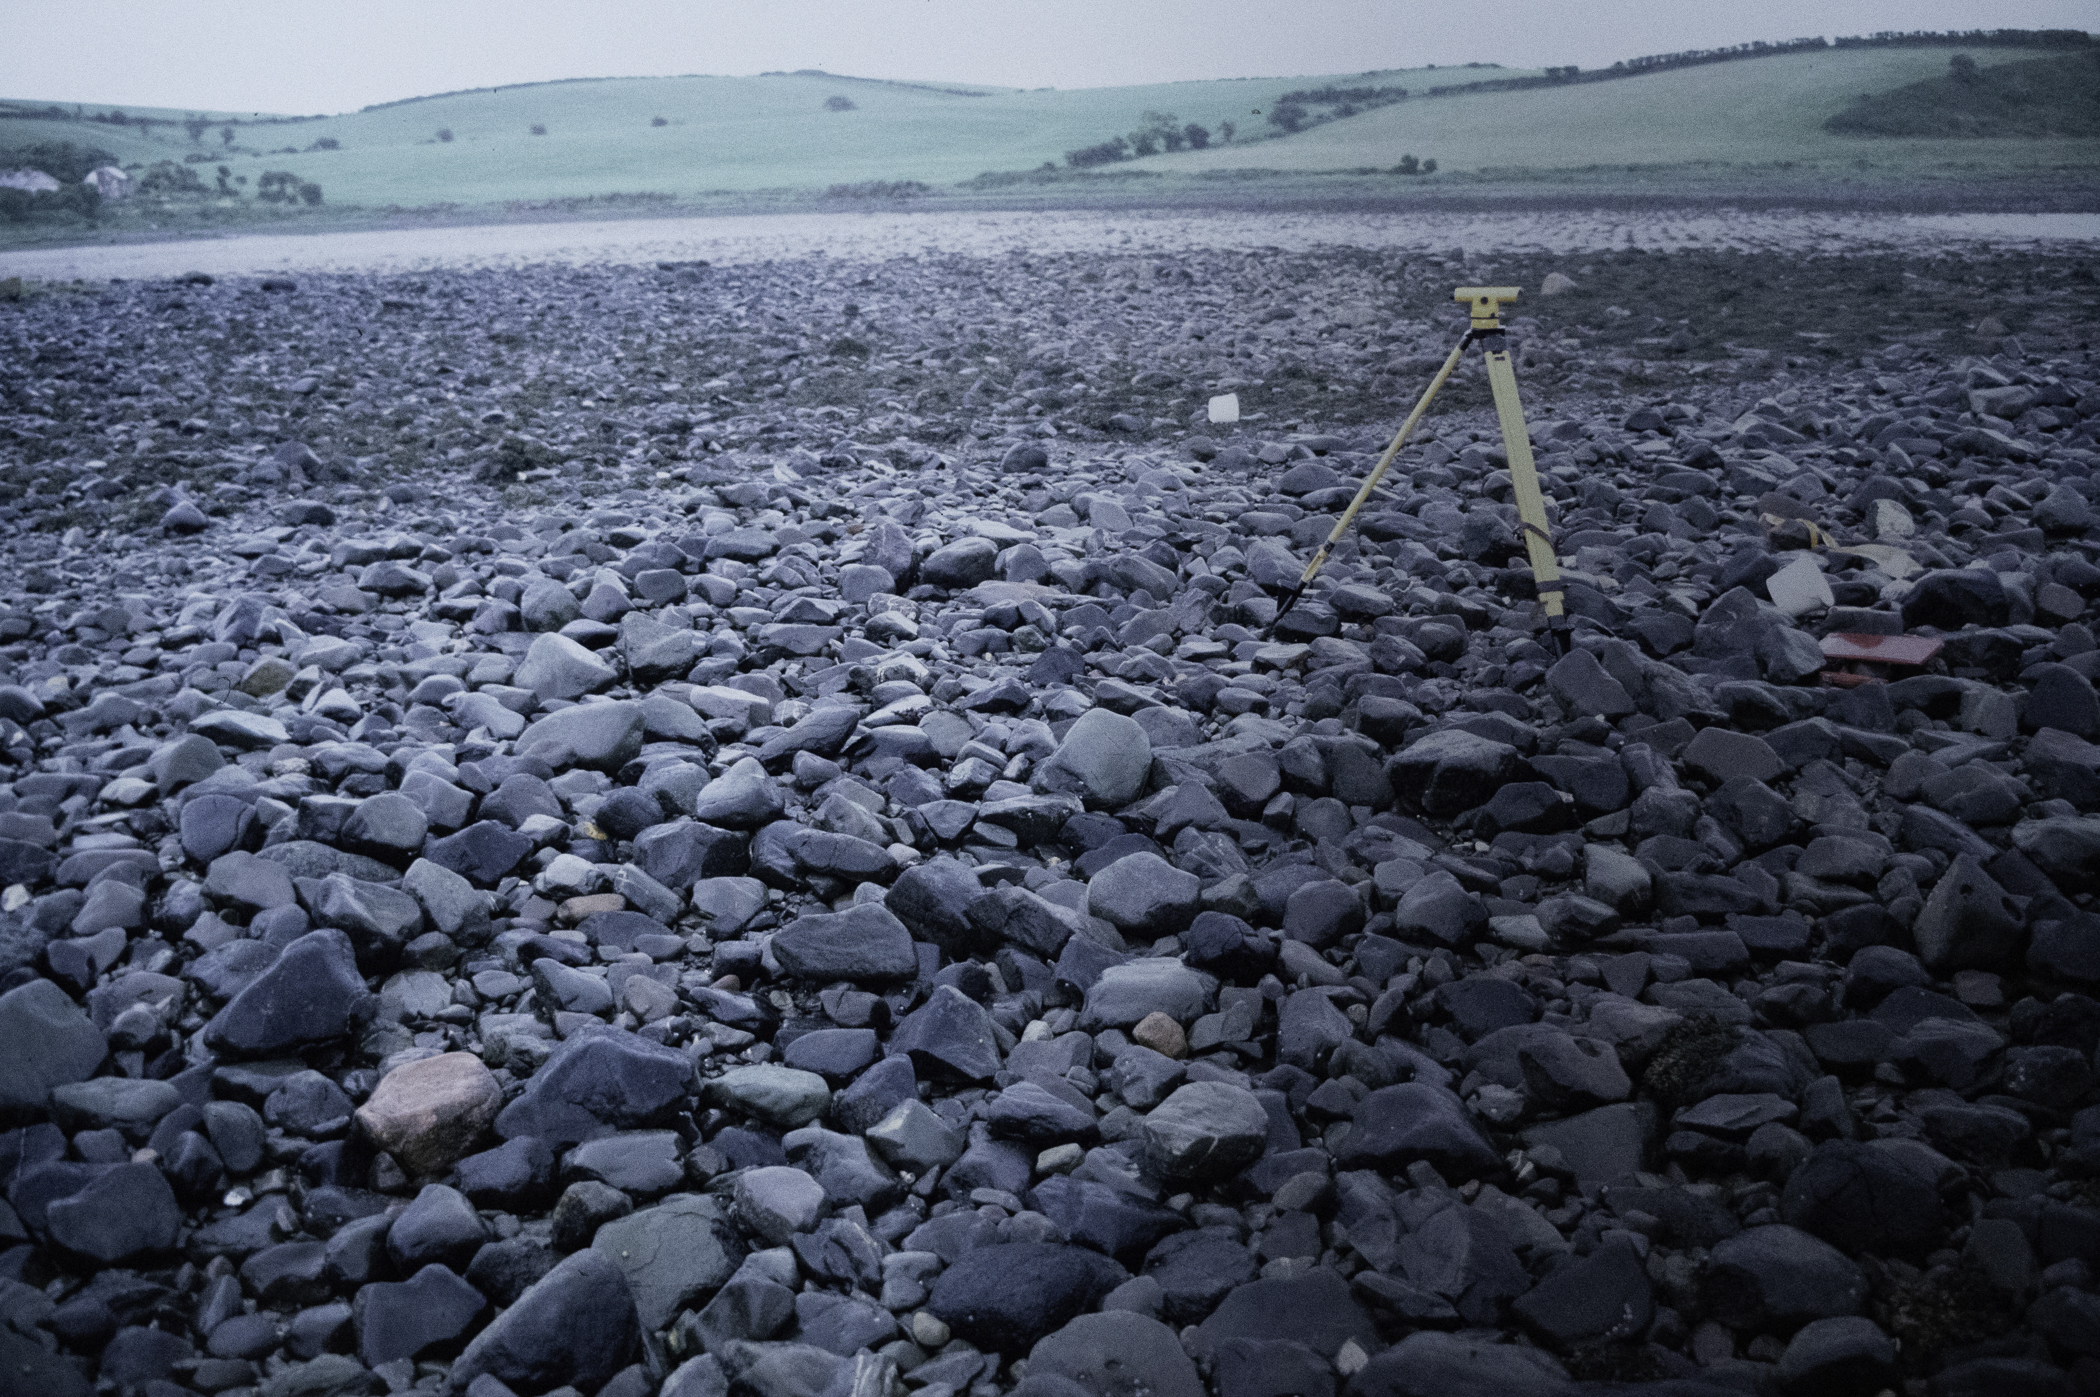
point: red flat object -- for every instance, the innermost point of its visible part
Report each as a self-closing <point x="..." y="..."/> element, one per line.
<point x="1912" y="650"/>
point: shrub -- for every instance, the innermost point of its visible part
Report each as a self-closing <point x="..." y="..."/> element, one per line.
<point x="62" y="160"/>
<point x="1197" y="136"/>
<point x="1226" y="130"/>
<point x="880" y="189"/>
<point x="445" y="134"/>
<point x="1106" y="153"/>
<point x="310" y="193"/>
<point x="168" y="178"/>
<point x="1429" y="167"/>
<point x="326" y="143"/>
<point x="1288" y="115"/>
<point x="226" y="137"/>
<point x="278" y="187"/>
<point x="196" y="126"/>
<point x="538" y="129"/>
<point x="840" y="104"/>
<point x="659" y="121"/>
<point x="21" y="206"/>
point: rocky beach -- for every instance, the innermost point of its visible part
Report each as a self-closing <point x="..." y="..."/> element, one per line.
<point x="669" y="829"/>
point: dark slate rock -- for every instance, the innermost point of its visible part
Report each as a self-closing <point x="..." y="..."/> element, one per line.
<point x="404" y="1319"/>
<point x="1315" y="1309"/>
<point x="949" y="1036"/>
<point x="483" y="852"/>
<point x="933" y="900"/>
<point x="1605" y="1297"/>
<point x="595" y="1085"/>
<point x="575" y="1326"/>
<point x="1832" y="1357"/>
<point x="1430" y="1364"/>
<point x="672" y="1255"/>
<point x="505" y="1270"/>
<point x="128" y="1213"/>
<point x="863" y="943"/>
<point x="1863" y="1199"/>
<point x="874" y="1094"/>
<point x="1779" y="1277"/>
<point x="1006" y="1297"/>
<point x="1450" y="771"/>
<point x="440" y="1227"/>
<point x="312" y="993"/>
<point x="1117" y="1354"/>
<point x="1196" y="1270"/>
<point x="834" y="1053"/>
<point x="46" y="1041"/>
<point x="1120" y="1224"/>
<point x="1394" y="1126"/>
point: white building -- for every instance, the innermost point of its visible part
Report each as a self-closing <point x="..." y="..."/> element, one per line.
<point x="35" y="181"/>
<point x="109" y="181"/>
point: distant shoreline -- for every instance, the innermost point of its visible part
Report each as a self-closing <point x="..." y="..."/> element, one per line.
<point x="878" y="235"/>
<point x="1516" y="194"/>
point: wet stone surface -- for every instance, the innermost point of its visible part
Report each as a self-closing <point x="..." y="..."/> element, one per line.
<point x="682" y="829"/>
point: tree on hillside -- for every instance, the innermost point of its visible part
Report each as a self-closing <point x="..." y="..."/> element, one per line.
<point x="1197" y="136"/>
<point x="1163" y="127"/>
<point x="196" y="126"/>
<point x="1962" y="68"/>
<point x="659" y="121"/>
<point x="840" y="104"/>
<point x="1226" y="131"/>
<point x="226" y="136"/>
<point x="538" y="129"/>
<point x="445" y="134"/>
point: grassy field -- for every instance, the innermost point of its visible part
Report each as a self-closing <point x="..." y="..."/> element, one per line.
<point x="1707" y="131"/>
<point x="1755" y="112"/>
<point x="721" y="134"/>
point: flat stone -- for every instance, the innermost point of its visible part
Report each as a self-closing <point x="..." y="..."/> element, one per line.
<point x="429" y="1113"/>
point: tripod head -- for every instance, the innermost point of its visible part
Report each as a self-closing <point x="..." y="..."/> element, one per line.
<point x="1487" y="303"/>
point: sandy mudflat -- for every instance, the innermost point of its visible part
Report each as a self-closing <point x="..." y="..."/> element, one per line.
<point x="880" y="236"/>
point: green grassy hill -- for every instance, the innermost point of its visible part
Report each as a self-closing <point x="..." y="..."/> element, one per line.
<point x="1751" y="112"/>
<point x="2038" y="97"/>
<point x="691" y="137"/>
<point x="721" y="134"/>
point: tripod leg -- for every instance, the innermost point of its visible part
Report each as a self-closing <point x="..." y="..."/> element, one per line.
<point x="1524" y="476"/>
<point x="1319" y="559"/>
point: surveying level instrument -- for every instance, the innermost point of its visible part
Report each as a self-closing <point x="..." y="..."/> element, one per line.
<point x="1486" y="303"/>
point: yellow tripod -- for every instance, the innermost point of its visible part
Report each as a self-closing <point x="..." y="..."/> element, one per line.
<point x="1486" y="303"/>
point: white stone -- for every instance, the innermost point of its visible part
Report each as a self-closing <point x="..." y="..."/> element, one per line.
<point x="1225" y="408"/>
<point x="1891" y="520"/>
<point x="1800" y="587"/>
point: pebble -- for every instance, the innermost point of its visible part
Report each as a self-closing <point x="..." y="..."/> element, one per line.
<point x="430" y="1112"/>
<point x="543" y="888"/>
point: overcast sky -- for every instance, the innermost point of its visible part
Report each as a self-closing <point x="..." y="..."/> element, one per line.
<point x="311" y="56"/>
